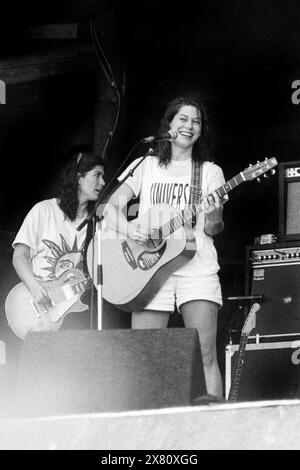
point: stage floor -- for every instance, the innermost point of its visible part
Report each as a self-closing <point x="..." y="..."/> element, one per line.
<point x="249" y="425"/>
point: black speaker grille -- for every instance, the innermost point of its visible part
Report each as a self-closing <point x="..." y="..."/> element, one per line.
<point x="280" y="286"/>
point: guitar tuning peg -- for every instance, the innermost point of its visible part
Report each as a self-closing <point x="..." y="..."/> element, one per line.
<point x="257" y="161"/>
<point x="273" y="171"/>
<point x="265" y="175"/>
<point x="250" y="165"/>
<point x="258" y="180"/>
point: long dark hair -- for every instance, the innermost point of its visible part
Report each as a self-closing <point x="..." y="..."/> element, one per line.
<point x="79" y="165"/>
<point x="202" y="149"/>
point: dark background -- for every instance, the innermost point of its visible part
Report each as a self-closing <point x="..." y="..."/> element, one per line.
<point x="242" y="55"/>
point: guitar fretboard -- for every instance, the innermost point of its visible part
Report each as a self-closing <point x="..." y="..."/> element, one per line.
<point x="233" y="393"/>
<point x="193" y="210"/>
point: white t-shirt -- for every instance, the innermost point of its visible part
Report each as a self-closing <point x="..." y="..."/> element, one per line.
<point x="155" y="184"/>
<point x="55" y="244"/>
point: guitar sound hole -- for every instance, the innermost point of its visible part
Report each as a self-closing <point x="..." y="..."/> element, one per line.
<point x="153" y="244"/>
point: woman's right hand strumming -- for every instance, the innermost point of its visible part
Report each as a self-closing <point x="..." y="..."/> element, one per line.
<point x="136" y="232"/>
<point x="39" y="293"/>
<point x="23" y="267"/>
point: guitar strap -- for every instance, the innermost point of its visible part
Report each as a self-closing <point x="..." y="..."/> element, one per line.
<point x="196" y="186"/>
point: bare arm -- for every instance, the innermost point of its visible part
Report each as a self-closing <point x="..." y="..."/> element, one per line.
<point x="23" y="267"/>
<point x="116" y="219"/>
<point x="113" y="211"/>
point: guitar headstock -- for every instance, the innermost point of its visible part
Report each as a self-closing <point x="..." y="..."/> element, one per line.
<point x="260" y="168"/>
<point x="250" y="322"/>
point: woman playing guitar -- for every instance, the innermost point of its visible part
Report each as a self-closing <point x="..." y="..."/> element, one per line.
<point x="166" y="178"/>
<point x="49" y="251"/>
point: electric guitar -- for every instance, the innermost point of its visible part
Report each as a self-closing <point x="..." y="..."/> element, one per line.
<point x="133" y="273"/>
<point x="24" y="315"/>
<point x="247" y="328"/>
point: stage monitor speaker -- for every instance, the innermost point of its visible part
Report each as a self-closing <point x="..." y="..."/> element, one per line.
<point x="274" y="273"/>
<point x="289" y="200"/>
<point x="110" y="370"/>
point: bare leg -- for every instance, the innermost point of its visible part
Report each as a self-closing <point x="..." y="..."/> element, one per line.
<point x="202" y="315"/>
<point x="150" y="319"/>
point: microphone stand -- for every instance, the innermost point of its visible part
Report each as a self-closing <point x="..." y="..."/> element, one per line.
<point x="98" y="234"/>
<point x="246" y="298"/>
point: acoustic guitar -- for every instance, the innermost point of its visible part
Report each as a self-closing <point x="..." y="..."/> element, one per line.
<point x="24" y="315"/>
<point x="249" y="324"/>
<point x="133" y="273"/>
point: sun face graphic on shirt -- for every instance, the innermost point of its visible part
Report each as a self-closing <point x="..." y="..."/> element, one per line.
<point x="63" y="258"/>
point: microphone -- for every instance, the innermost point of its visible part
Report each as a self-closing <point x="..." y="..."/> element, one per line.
<point x="170" y="135"/>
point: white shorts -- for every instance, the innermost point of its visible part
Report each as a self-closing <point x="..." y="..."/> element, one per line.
<point x="178" y="290"/>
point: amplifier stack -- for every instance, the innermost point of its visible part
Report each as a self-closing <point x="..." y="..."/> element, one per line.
<point x="272" y="362"/>
<point x="271" y="369"/>
<point x="274" y="273"/>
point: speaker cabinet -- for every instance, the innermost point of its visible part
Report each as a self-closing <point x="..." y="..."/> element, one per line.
<point x="274" y="273"/>
<point x="109" y="370"/>
<point x="271" y="370"/>
<point x="289" y="200"/>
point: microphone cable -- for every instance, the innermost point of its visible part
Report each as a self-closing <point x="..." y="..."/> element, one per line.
<point x="109" y="74"/>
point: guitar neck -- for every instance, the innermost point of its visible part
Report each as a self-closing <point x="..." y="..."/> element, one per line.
<point x="193" y="210"/>
<point x="238" y="370"/>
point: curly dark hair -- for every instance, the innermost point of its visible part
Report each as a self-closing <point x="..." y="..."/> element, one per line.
<point x="79" y="165"/>
<point x="202" y="149"/>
